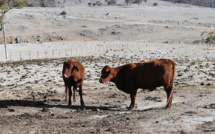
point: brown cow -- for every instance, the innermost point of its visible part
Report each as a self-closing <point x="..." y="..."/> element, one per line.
<point x="148" y="75"/>
<point x="73" y="75"/>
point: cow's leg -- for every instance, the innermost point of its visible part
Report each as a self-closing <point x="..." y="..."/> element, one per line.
<point x="70" y="95"/>
<point x="169" y="92"/>
<point x="66" y="90"/>
<point x="80" y="93"/>
<point x="74" y="93"/>
<point x="133" y="95"/>
<point x="66" y="93"/>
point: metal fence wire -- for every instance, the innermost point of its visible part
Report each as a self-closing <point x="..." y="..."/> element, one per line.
<point x="62" y="52"/>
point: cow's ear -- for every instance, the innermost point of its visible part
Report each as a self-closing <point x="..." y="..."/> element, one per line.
<point x="109" y="72"/>
<point x="76" y="67"/>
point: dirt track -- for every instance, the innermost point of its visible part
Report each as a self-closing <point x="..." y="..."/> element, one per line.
<point x="36" y="104"/>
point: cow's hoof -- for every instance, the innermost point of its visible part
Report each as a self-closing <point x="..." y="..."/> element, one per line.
<point x="167" y="107"/>
<point x="130" y="108"/>
<point x="82" y="105"/>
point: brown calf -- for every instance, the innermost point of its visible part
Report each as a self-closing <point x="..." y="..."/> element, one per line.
<point x="148" y="75"/>
<point x="73" y="75"/>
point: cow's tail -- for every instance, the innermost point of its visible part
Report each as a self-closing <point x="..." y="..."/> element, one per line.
<point x="171" y="85"/>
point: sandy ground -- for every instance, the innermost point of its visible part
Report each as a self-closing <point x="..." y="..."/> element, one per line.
<point x="32" y="91"/>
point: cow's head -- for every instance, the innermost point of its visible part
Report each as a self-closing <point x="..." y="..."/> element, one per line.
<point x="70" y="69"/>
<point x="106" y="74"/>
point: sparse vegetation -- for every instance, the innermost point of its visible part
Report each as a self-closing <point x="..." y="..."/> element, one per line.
<point x="207" y="37"/>
<point x="210" y="39"/>
<point x="133" y="1"/>
<point x="98" y="3"/>
<point x="63" y="13"/>
<point x="89" y="3"/>
<point x="155" y="4"/>
<point x="111" y="2"/>
<point x="41" y="3"/>
<point x="205" y="3"/>
<point x="6" y="5"/>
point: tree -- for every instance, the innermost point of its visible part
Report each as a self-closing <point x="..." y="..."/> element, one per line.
<point x="6" y="5"/>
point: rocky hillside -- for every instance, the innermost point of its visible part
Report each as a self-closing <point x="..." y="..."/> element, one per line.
<point x="205" y="3"/>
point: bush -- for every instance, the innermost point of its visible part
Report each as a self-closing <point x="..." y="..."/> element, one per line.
<point x="138" y="1"/>
<point x="207" y="37"/>
<point x="63" y="13"/>
<point x="155" y="4"/>
<point x="111" y="2"/>
<point x="210" y="39"/>
<point x="98" y="3"/>
<point x="41" y="3"/>
<point x="127" y="1"/>
<point x="133" y="1"/>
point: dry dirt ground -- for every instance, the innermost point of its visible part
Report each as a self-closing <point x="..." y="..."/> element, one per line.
<point x="32" y="92"/>
<point x="32" y="100"/>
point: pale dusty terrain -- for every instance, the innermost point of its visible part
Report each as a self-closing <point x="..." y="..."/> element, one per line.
<point x="32" y="91"/>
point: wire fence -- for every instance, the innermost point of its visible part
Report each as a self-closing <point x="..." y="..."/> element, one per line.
<point x="50" y="53"/>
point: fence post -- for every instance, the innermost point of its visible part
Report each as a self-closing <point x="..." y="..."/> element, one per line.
<point x="37" y="55"/>
<point x="5" y="43"/>
<point x="10" y="55"/>
<point x="20" y="55"/>
<point x="29" y="54"/>
<point x="52" y="53"/>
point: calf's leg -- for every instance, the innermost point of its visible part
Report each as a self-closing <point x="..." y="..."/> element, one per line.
<point x="74" y="95"/>
<point x="70" y="95"/>
<point x="80" y="93"/>
<point x="66" y="90"/>
<point x="67" y="93"/>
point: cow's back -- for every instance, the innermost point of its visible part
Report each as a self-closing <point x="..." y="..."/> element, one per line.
<point x="152" y="74"/>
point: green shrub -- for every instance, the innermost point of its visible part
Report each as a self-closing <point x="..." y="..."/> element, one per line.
<point x="155" y="4"/>
<point x="210" y="39"/>
<point x="207" y="37"/>
<point x="63" y="13"/>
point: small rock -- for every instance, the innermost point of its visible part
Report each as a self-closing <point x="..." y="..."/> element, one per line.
<point x="202" y="84"/>
<point x="45" y="109"/>
<point x="127" y="118"/>
<point x="83" y="34"/>
<point x="11" y="110"/>
<point x="114" y="32"/>
<point x="212" y="106"/>
<point x="112" y="130"/>
<point x="61" y="38"/>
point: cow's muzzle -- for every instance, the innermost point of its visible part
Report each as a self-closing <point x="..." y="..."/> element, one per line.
<point x="65" y="76"/>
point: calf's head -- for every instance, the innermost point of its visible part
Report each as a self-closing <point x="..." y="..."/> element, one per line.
<point x="70" y="69"/>
<point x="106" y="74"/>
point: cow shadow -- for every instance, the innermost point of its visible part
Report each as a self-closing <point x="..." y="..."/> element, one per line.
<point x="42" y="104"/>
